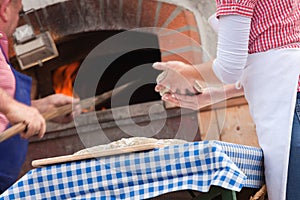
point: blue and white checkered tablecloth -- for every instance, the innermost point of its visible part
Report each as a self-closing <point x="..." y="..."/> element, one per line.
<point x="142" y="175"/>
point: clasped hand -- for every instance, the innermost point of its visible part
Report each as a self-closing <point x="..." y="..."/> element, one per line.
<point x="32" y="117"/>
<point x="183" y="85"/>
<point x="177" y="78"/>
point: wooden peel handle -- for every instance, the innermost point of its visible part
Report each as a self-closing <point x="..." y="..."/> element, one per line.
<point x="17" y="128"/>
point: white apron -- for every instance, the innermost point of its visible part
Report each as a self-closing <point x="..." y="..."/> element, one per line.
<point x="270" y="83"/>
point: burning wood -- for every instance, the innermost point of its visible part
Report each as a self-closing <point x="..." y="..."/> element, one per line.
<point x="64" y="77"/>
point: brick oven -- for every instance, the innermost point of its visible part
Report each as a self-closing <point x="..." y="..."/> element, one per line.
<point x="78" y="27"/>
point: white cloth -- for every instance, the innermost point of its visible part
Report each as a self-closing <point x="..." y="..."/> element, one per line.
<point x="270" y="84"/>
<point x="233" y="39"/>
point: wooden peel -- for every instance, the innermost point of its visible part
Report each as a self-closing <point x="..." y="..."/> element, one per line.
<point x="63" y="110"/>
<point x="90" y="155"/>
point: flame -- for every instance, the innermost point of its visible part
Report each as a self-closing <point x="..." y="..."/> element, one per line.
<point x="64" y="77"/>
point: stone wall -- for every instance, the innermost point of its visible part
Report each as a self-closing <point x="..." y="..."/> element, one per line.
<point x="201" y="9"/>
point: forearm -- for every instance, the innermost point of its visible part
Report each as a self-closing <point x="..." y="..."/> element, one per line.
<point x="40" y="105"/>
<point x="7" y="103"/>
<point x="231" y="91"/>
<point x="17" y="112"/>
<point x="206" y="75"/>
<point x="54" y="101"/>
<point x="232" y="53"/>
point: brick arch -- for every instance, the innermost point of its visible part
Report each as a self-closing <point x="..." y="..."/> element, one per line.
<point x="179" y="41"/>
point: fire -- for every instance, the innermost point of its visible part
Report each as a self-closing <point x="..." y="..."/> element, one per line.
<point x="64" y="77"/>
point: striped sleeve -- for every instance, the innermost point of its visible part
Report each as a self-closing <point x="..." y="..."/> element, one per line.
<point x="235" y="7"/>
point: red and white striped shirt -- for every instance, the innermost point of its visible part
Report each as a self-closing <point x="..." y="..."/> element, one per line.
<point x="270" y="26"/>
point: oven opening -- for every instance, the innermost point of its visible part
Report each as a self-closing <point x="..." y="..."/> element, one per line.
<point x="135" y="66"/>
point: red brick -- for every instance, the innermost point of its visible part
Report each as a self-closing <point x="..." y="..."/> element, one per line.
<point x="190" y="18"/>
<point x="165" y="12"/>
<point x="178" y="40"/>
<point x="191" y="57"/>
<point x="178" y="22"/>
<point x="195" y="37"/>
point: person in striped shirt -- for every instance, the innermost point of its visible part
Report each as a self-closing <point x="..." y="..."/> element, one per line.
<point x="258" y="49"/>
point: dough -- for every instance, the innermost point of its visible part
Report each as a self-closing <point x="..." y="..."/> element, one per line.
<point x="125" y="142"/>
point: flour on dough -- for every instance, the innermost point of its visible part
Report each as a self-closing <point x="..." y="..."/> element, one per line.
<point x="126" y="142"/>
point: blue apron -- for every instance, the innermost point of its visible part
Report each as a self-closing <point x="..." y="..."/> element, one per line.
<point x="13" y="150"/>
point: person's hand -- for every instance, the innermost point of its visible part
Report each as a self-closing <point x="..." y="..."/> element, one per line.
<point x="208" y="97"/>
<point x="35" y="123"/>
<point x="177" y="77"/>
<point x="56" y="100"/>
<point x="194" y="102"/>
